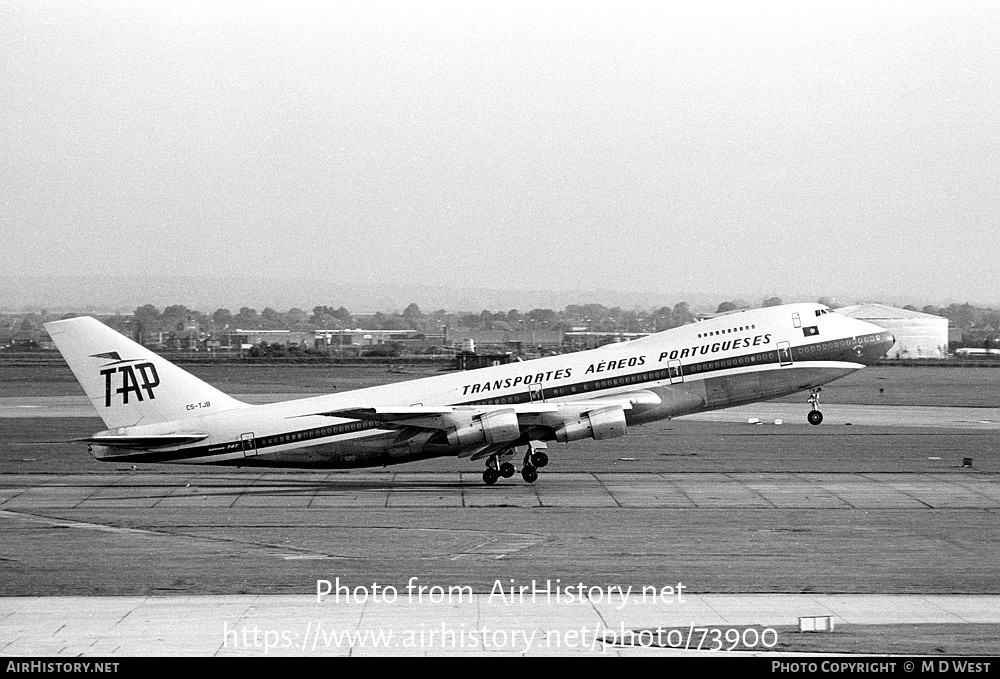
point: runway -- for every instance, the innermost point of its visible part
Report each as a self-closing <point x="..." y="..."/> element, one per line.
<point x="195" y="533"/>
<point x="869" y="415"/>
<point x="870" y="518"/>
<point x="457" y="490"/>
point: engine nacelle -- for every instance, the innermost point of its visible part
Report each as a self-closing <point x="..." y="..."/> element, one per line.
<point x="495" y="426"/>
<point x="601" y="423"/>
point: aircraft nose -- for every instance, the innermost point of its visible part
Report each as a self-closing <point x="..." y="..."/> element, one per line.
<point x="876" y="343"/>
<point x="882" y="345"/>
<point x="886" y="344"/>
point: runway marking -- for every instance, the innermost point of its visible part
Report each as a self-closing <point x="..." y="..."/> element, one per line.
<point x="750" y="486"/>
<point x="121" y="530"/>
<point x="680" y="489"/>
<point x="502" y="545"/>
<point x="83" y="525"/>
<point x="826" y="487"/>
<point x="607" y="490"/>
<point x="901" y="491"/>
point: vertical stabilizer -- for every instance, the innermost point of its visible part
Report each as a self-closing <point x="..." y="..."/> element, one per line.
<point x="128" y="384"/>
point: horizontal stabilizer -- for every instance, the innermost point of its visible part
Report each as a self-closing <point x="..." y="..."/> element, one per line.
<point x="142" y="442"/>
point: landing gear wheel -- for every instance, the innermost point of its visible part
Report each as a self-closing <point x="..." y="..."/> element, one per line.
<point x="490" y="476"/>
<point x="529" y="473"/>
<point x="507" y="470"/>
<point x="539" y="459"/>
<point x="814" y="416"/>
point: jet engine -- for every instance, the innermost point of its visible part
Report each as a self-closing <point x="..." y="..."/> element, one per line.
<point x="495" y="426"/>
<point x="601" y="423"/>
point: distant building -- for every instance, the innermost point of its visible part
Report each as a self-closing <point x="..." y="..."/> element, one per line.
<point x="584" y="339"/>
<point x="360" y="338"/>
<point x="246" y="338"/>
<point x="474" y="361"/>
<point x="972" y="352"/>
<point x="918" y="335"/>
<point x="530" y="340"/>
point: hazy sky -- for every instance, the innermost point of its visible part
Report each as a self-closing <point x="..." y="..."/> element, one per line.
<point x="838" y="148"/>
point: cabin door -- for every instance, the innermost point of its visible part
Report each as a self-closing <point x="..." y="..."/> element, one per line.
<point x="784" y="353"/>
<point x="535" y="393"/>
<point x="249" y="444"/>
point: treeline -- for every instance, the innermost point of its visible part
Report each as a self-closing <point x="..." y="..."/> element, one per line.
<point x="178" y="320"/>
<point x="149" y="323"/>
<point x="591" y="317"/>
<point x="964" y="316"/>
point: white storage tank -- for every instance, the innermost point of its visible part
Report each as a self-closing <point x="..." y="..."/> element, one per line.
<point x="918" y="335"/>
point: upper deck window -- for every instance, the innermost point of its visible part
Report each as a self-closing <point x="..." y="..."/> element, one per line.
<point x="726" y="331"/>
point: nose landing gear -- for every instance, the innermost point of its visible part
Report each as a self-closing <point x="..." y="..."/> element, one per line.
<point x="814" y="416"/>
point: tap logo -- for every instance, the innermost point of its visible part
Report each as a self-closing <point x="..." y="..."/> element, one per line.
<point x="127" y="376"/>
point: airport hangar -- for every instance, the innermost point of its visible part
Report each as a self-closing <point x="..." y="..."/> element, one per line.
<point x="918" y="335"/>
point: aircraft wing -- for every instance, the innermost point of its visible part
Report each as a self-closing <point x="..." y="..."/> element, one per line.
<point x="410" y="416"/>
<point x="475" y="428"/>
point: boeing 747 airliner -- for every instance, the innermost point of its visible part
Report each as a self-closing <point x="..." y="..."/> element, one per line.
<point x="156" y="412"/>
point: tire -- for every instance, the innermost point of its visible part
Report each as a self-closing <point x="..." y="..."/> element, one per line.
<point x="507" y="470"/>
<point x="814" y="417"/>
<point x="490" y="476"/>
<point x="539" y="459"/>
<point x="529" y="473"/>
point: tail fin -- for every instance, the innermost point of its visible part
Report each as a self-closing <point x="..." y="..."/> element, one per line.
<point x="129" y="384"/>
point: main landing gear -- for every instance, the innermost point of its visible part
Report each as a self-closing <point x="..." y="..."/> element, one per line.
<point x="534" y="459"/>
<point x="814" y="416"/>
<point x="494" y="470"/>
